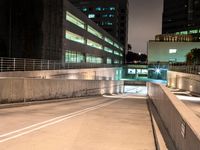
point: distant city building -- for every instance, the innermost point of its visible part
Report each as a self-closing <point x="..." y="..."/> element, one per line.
<point x="182" y="17"/>
<point x="55" y="30"/>
<point x="111" y="15"/>
<point x="173" y="38"/>
<point x="166" y="52"/>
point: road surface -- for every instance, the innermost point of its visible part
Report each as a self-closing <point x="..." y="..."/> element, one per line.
<point x="94" y="123"/>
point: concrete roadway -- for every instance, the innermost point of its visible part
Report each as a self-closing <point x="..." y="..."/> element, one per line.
<point x="94" y="123"/>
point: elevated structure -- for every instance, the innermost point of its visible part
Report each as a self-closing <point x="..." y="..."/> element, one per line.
<point x="111" y="15"/>
<point x="182" y="17"/>
<point x="40" y="29"/>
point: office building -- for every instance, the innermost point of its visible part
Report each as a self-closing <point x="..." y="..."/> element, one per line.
<point x="111" y="15"/>
<point x="182" y="17"/>
<point x="55" y="30"/>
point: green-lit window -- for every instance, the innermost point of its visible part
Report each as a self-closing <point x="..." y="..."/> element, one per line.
<point x="98" y="9"/>
<point x="94" y="44"/>
<point x="116" y="61"/>
<point x="121" y="49"/>
<point x="108" y="40"/>
<point x="94" y="59"/>
<point x="74" y="57"/>
<point x="116" y="53"/>
<point x="116" y="45"/>
<point x="183" y="32"/>
<point x="74" y="37"/>
<point x="70" y="56"/>
<point x="112" y="8"/>
<point x="109" y="61"/>
<point x="108" y="50"/>
<point x="91" y="16"/>
<point x="84" y="9"/>
<point x="94" y="32"/>
<point x="193" y="31"/>
<point x="73" y="19"/>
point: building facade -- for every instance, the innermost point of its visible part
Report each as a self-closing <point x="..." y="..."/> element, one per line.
<point x="55" y="30"/>
<point x="182" y="17"/>
<point x="111" y="15"/>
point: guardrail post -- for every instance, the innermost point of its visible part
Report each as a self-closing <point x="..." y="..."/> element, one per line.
<point x="48" y="65"/>
<point x="24" y="64"/>
<point x="14" y="64"/>
<point x="41" y="65"/>
<point x="1" y="64"/>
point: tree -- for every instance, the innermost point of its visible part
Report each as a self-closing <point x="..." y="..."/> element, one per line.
<point x="193" y="57"/>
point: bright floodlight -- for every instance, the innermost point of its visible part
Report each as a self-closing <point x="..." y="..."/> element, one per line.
<point x="157" y="70"/>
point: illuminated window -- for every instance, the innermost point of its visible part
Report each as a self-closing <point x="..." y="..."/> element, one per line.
<point x="112" y="8"/>
<point x="91" y="16"/>
<point x="74" y="57"/>
<point x="116" y="62"/>
<point x="94" y="59"/>
<point x="84" y="9"/>
<point x="108" y="50"/>
<point x="193" y="31"/>
<point x="116" y="45"/>
<point x="172" y="51"/>
<point x="121" y="49"/>
<point x="98" y="9"/>
<point x="108" y="40"/>
<point x="107" y="15"/>
<point x="109" y="61"/>
<point x="94" y="32"/>
<point x="116" y="53"/>
<point x="94" y="44"/>
<point x="74" y="37"/>
<point x="71" y="18"/>
<point x="184" y="32"/>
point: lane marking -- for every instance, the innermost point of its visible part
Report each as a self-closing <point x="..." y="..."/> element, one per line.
<point x="52" y="122"/>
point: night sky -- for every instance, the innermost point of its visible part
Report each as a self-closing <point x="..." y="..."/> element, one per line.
<point x="145" y="21"/>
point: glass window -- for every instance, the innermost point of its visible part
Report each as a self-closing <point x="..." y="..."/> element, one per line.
<point x="91" y="15"/>
<point x="108" y="40"/>
<point x="98" y="9"/>
<point x="116" y="61"/>
<point x="94" y="32"/>
<point x="74" y="57"/>
<point x="94" y="59"/>
<point x="116" y="53"/>
<point x="94" y="44"/>
<point x="73" y="19"/>
<point x="183" y="32"/>
<point x="121" y="49"/>
<point x="172" y="51"/>
<point x="193" y="31"/>
<point x="84" y="9"/>
<point x="109" y="61"/>
<point x="108" y="50"/>
<point x="74" y="37"/>
<point x="116" y="45"/>
<point x="112" y="8"/>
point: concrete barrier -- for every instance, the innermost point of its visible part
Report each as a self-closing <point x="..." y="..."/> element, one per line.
<point x="181" y="123"/>
<point x="25" y="89"/>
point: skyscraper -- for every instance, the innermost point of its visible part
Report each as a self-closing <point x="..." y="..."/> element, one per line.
<point x="111" y="15"/>
<point x="182" y="17"/>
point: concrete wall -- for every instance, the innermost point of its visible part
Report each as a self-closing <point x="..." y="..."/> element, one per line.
<point x="86" y="74"/>
<point x="181" y="123"/>
<point x="159" y="51"/>
<point x="24" y="89"/>
<point x="185" y="81"/>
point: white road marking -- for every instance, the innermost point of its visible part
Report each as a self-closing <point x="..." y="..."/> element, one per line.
<point x="51" y="122"/>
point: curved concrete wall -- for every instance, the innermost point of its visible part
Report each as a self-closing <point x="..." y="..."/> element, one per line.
<point x="181" y="123"/>
<point x="185" y="81"/>
<point x="24" y="89"/>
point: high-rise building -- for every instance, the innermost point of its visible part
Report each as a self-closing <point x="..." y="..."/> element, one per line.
<point x="111" y="15"/>
<point x="54" y="30"/>
<point x="182" y="17"/>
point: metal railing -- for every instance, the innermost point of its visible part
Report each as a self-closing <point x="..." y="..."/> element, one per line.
<point x="21" y="64"/>
<point x="192" y="69"/>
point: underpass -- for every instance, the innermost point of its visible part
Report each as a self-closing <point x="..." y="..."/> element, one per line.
<point x="114" y="122"/>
